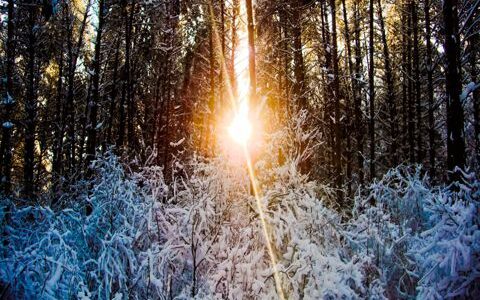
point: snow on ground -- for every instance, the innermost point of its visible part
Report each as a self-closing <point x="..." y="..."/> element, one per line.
<point x="199" y="236"/>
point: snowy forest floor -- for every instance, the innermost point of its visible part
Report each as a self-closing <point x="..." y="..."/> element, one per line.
<point x="199" y="236"/>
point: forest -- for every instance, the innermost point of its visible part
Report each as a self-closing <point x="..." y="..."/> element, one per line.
<point x="239" y="149"/>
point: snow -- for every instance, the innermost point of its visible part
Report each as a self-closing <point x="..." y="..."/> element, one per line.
<point x="8" y="100"/>
<point x="469" y="88"/>
<point x="199" y="234"/>
<point x="178" y="143"/>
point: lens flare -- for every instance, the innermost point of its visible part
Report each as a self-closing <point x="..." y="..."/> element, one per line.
<point x="241" y="128"/>
<point x="266" y="234"/>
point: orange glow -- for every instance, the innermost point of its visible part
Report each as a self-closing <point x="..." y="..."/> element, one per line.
<point x="243" y="131"/>
<point x="240" y="128"/>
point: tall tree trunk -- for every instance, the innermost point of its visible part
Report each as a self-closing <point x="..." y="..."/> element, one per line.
<point x="172" y="23"/>
<point x="336" y="96"/>
<point x="121" y="122"/>
<point x="251" y="54"/>
<point x="211" y="100"/>
<point x="73" y="53"/>
<point x="286" y="56"/>
<point x="358" y="100"/>
<point x="129" y="80"/>
<point x="160" y="108"/>
<point x="58" y="164"/>
<point x="473" y="39"/>
<point x="410" y="96"/>
<point x="153" y="115"/>
<point x="30" y="108"/>
<point x="223" y="58"/>
<point x="125" y="98"/>
<point x="58" y="128"/>
<point x="405" y="80"/>
<point x="431" y="107"/>
<point x="83" y="124"/>
<point x="329" y="113"/>
<point x="93" y="104"/>
<point x="113" y="95"/>
<point x="391" y="97"/>
<point x="299" y="68"/>
<point x="371" y="90"/>
<point x="8" y="102"/>
<point x="455" y="116"/>
<point x="416" y="82"/>
<point x="167" y="137"/>
<point x="353" y="89"/>
<point x="235" y="12"/>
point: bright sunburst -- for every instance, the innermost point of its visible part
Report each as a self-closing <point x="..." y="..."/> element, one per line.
<point x="240" y="128"/>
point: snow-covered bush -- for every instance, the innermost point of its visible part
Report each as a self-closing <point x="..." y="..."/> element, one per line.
<point x="69" y="253"/>
<point x="199" y="236"/>
<point x="307" y="236"/>
<point x="308" y="239"/>
<point x="421" y="241"/>
<point x="447" y="253"/>
<point x="130" y="235"/>
<point x="383" y="223"/>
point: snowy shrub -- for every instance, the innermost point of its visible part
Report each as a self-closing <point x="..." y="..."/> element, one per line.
<point x="383" y="224"/>
<point x="130" y="235"/>
<point x="420" y="241"/>
<point x="68" y="253"/>
<point x="212" y="245"/>
<point x="448" y="252"/>
<point x="200" y="236"/>
<point x="42" y="253"/>
<point x="307" y="236"/>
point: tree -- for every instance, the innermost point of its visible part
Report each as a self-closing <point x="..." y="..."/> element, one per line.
<point x="353" y="89"/>
<point x="472" y="33"/>
<point x="73" y="53"/>
<point x="209" y="135"/>
<point x="371" y="90"/>
<point x="336" y="96"/>
<point x="233" y="37"/>
<point x="93" y="102"/>
<point x="390" y="95"/>
<point x="358" y="100"/>
<point x="416" y="83"/>
<point x="298" y="69"/>
<point x="410" y="83"/>
<point x="455" y="115"/>
<point x="251" y="55"/>
<point x="8" y="102"/>
<point x="430" y="87"/>
<point x="30" y="105"/>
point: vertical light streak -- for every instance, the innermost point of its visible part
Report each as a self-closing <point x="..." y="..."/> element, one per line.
<point x="271" y="253"/>
<point x="241" y="71"/>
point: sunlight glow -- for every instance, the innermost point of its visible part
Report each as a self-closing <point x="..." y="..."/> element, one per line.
<point x="241" y="68"/>
<point x="241" y="128"/>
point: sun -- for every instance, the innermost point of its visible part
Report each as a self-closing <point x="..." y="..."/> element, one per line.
<point x="240" y="128"/>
